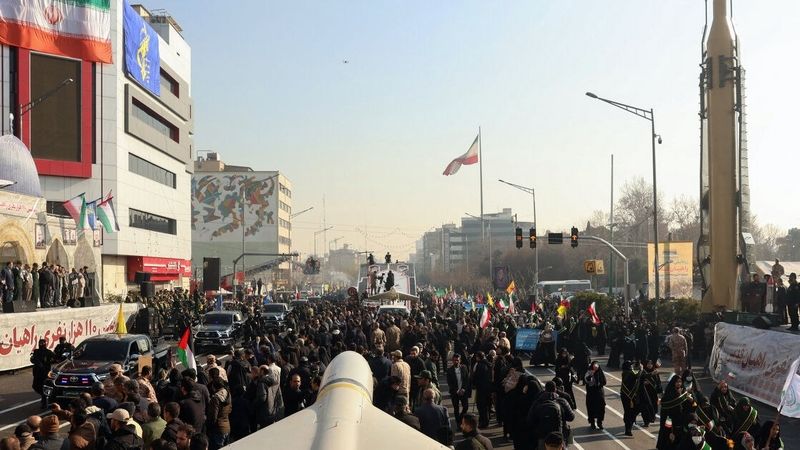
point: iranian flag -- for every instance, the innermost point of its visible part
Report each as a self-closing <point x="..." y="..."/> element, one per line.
<point x="185" y="353"/>
<point x="471" y="157"/>
<point x="486" y="316"/>
<point x="593" y="313"/>
<point x="76" y="207"/>
<point x="78" y="29"/>
<point x="107" y="215"/>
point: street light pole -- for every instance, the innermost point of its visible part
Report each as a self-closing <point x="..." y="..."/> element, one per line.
<point x="291" y="259"/>
<point x="647" y="115"/>
<point x="531" y="191"/>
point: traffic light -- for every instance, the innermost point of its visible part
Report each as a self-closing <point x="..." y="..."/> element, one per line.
<point x="532" y="237"/>
<point x="519" y="237"/>
<point x="574" y="237"/>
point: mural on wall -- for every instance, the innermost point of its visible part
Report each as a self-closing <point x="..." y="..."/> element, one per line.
<point x="217" y="208"/>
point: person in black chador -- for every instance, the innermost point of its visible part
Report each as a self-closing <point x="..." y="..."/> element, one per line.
<point x="650" y="390"/>
<point x="42" y="359"/>
<point x="388" y="258"/>
<point x="631" y="393"/>
<point x="595" y="381"/>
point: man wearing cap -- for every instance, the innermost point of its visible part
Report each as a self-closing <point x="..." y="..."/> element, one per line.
<point x="109" y="384"/>
<point x="123" y="434"/>
<point x="49" y="439"/>
<point x="401" y="370"/>
<point x="423" y="383"/>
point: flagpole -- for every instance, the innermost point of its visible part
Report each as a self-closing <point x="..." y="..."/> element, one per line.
<point x="480" y="161"/>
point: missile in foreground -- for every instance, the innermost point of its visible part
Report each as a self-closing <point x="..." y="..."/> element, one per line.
<point x="724" y="185"/>
<point x="342" y="418"/>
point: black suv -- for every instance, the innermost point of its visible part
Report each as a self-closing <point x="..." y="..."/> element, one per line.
<point x="219" y="329"/>
<point x="92" y="359"/>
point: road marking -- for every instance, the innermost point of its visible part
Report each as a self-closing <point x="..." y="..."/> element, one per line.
<point x="614" y="438"/>
<point x="617" y="413"/>
<point x="21" y="405"/>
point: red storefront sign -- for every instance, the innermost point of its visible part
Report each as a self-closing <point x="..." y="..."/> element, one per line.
<point x="161" y="269"/>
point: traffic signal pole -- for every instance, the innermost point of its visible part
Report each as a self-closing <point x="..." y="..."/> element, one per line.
<point x="627" y="293"/>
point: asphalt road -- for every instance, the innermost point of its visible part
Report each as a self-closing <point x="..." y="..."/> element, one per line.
<point x="18" y="401"/>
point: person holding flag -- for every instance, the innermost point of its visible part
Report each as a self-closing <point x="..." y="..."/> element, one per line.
<point x="186" y="349"/>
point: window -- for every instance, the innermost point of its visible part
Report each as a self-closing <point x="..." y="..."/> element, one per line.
<point x="285" y="207"/>
<point x="169" y="84"/>
<point x="57" y="209"/>
<point x="152" y="222"/>
<point x="285" y="224"/>
<point x="156" y="122"/>
<point x="56" y="121"/>
<point x="285" y="241"/>
<point x="149" y="170"/>
<point x="285" y="191"/>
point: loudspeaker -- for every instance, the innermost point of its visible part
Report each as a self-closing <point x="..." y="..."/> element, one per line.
<point x="148" y="289"/>
<point x="210" y="274"/>
<point x="19" y="306"/>
<point x="145" y="322"/>
<point x="762" y="322"/>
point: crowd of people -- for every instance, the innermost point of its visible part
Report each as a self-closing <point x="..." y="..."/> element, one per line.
<point x="48" y="285"/>
<point x="438" y="348"/>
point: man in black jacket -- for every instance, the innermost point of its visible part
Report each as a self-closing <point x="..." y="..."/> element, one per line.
<point x="42" y="359"/>
<point x="460" y="387"/>
<point x="123" y="436"/>
<point x="482" y="382"/>
<point x="548" y="414"/>
<point x="192" y="411"/>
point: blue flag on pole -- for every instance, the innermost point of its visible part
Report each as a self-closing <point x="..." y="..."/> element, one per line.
<point x="142" y="61"/>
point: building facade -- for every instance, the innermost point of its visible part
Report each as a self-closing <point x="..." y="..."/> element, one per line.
<point x="105" y="132"/>
<point x="237" y="210"/>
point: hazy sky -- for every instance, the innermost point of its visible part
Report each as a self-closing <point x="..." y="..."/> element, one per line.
<point x="271" y="91"/>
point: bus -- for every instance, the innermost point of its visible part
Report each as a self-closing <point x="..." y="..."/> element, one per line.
<point x="565" y="287"/>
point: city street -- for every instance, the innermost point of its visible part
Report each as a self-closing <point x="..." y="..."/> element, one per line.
<point x="19" y="402"/>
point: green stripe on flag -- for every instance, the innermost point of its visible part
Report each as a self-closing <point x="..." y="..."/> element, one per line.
<point x="99" y="4"/>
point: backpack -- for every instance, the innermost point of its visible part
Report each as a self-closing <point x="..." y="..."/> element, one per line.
<point x="548" y="415"/>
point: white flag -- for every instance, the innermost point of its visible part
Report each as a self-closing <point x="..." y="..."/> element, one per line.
<point x="790" y="397"/>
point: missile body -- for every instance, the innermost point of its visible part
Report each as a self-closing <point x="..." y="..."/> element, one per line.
<point x="343" y="418"/>
<point x="721" y="86"/>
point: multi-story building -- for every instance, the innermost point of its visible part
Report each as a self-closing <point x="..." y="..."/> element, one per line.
<point x="237" y="210"/>
<point x="106" y="126"/>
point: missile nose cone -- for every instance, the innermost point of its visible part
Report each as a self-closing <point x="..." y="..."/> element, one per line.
<point x="591" y="94"/>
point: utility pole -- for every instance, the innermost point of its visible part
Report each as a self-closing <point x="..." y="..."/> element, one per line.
<point x="611" y="232"/>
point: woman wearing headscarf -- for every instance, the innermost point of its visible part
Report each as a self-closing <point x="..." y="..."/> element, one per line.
<point x="513" y="385"/>
<point x="676" y="406"/>
<point x="650" y="390"/>
<point x="630" y="394"/>
<point x="770" y="436"/>
<point x="566" y="373"/>
<point x="723" y="401"/>
<point x="745" y="419"/>
<point x="595" y="380"/>
<point x="745" y="441"/>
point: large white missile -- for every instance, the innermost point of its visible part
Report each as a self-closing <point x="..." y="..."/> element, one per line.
<point x="721" y="204"/>
<point x="342" y="418"/>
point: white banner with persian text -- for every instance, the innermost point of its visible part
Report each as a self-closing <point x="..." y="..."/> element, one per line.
<point x="756" y="363"/>
<point x="20" y="332"/>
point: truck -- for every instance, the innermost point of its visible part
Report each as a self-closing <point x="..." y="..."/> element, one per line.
<point x="219" y="329"/>
<point x="91" y="360"/>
